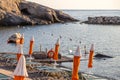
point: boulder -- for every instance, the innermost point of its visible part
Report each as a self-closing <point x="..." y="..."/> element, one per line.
<point x="102" y="56"/>
<point x="13" y="20"/>
<point x="22" y="12"/>
<point x="14" y="38"/>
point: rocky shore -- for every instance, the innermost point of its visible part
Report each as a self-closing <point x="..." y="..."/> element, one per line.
<point x="8" y="59"/>
<point x="114" y="20"/>
<point x="33" y="72"/>
<point x="22" y="12"/>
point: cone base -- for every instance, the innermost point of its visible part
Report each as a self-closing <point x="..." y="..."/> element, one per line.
<point x="19" y="78"/>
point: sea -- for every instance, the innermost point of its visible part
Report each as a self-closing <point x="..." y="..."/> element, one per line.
<point x="105" y="37"/>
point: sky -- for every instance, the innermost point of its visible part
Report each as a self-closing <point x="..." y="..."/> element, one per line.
<point x="80" y="4"/>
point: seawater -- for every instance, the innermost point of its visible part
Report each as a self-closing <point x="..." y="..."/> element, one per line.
<point x="105" y="37"/>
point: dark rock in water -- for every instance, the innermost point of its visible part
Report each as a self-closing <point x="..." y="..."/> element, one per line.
<point x="22" y="12"/>
<point x="70" y="39"/>
<point x="102" y="56"/>
<point x="103" y="20"/>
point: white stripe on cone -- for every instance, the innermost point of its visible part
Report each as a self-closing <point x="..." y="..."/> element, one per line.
<point x="58" y="41"/>
<point x="32" y="39"/>
<point x="78" y="52"/>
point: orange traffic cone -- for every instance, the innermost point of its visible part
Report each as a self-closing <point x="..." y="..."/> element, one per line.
<point x="57" y="46"/>
<point x="31" y="46"/>
<point x="76" y="62"/>
<point x="20" y="71"/>
<point x="20" y="52"/>
<point x="91" y="54"/>
<point x="22" y="39"/>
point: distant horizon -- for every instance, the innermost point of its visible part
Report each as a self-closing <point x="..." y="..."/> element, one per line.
<point x="81" y="4"/>
<point x="93" y="9"/>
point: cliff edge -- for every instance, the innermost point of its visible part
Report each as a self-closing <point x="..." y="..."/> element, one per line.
<point x="22" y="12"/>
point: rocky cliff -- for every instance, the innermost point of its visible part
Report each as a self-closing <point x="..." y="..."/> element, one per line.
<point x="104" y="20"/>
<point x="21" y="12"/>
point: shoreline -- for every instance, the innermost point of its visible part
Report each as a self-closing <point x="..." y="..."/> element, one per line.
<point x="33" y="73"/>
<point x="93" y="75"/>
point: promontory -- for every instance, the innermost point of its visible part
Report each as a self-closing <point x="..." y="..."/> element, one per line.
<point x="22" y="12"/>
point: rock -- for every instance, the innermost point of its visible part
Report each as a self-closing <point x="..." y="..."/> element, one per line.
<point x="10" y="14"/>
<point x="64" y="17"/>
<point x="10" y="6"/>
<point x="56" y="75"/>
<point x="102" y="56"/>
<point x="22" y="12"/>
<point x="13" y="20"/>
<point x="14" y="38"/>
<point x="53" y="75"/>
<point x="103" y="20"/>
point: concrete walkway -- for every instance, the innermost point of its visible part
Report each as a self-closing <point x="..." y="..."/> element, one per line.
<point x="9" y="73"/>
<point x="92" y="77"/>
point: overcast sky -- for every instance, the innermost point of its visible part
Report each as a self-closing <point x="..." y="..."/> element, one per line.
<point x="80" y="4"/>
